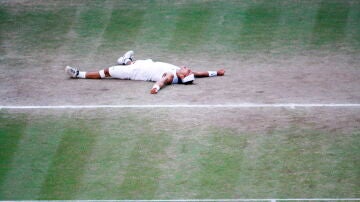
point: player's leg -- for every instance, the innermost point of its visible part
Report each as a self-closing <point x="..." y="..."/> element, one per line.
<point x="75" y="73"/>
<point x="98" y="75"/>
<point x="126" y="59"/>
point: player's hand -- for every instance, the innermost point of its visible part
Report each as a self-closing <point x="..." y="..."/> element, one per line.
<point x="220" y="72"/>
<point x="154" y="91"/>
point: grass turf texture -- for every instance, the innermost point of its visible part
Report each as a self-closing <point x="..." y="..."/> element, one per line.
<point x="186" y="26"/>
<point x="71" y="156"/>
<point x="100" y="155"/>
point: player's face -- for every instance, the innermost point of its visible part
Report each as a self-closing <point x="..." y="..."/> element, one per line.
<point x="186" y="71"/>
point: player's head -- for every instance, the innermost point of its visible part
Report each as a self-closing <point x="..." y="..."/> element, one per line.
<point x="186" y="76"/>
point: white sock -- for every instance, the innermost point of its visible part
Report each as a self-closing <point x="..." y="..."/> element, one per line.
<point x="81" y="75"/>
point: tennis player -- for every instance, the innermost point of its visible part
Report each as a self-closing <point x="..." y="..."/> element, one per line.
<point x="145" y="70"/>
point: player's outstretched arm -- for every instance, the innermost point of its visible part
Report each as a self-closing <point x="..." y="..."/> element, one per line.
<point x="219" y="72"/>
<point x="165" y="80"/>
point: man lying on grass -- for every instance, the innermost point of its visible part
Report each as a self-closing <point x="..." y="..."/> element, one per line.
<point x="145" y="70"/>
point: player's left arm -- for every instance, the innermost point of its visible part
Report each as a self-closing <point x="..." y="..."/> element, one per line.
<point x="220" y="72"/>
<point x="165" y="80"/>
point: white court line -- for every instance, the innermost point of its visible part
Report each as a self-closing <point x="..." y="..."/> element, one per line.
<point x="240" y="105"/>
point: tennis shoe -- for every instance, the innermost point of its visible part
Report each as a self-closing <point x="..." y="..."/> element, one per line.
<point x="127" y="57"/>
<point x="72" y="72"/>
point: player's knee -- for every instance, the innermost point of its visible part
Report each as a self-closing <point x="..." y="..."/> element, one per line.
<point x="104" y="73"/>
<point x="107" y="73"/>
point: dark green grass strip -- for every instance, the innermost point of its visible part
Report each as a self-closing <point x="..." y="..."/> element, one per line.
<point x="91" y="23"/>
<point x="89" y="28"/>
<point x="66" y="170"/>
<point x="356" y="27"/>
<point x="4" y="17"/>
<point x="122" y="29"/>
<point x="40" y="30"/>
<point x="191" y="22"/>
<point x="260" y="22"/>
<point x="331" y="21"/>
<point x="11" y="131"/>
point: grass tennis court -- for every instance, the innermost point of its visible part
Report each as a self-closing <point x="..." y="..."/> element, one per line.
<point x="281" y="51"/>
<point x="123" y="155"/>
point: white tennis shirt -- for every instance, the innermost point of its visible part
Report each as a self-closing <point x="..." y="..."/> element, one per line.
<point x="144" y="70"/>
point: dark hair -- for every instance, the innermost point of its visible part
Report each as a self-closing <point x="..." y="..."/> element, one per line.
<point x="186" y="83"/>
<point x="189" y="82"/>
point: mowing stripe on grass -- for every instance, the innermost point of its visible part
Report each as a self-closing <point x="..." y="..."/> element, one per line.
<point x="188" y="33"/>
<point x="69" y="160"/>
<point x="240" y="105"/>
<point x="11" y="132"/>
<point x="30" y="162"/>
<point x="331" y="20"/>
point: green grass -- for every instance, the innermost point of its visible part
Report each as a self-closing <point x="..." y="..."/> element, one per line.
<point x="124" y="156"/>
<point x="127" y="155"/>
<point x="10" y="134"/>
<point x="191" y="23"/>
<point x="185" y="27"/>
<point x="68" y="163"/>
<point x="331" y="21"/>
<point x="259" y="26"/>
<point x="4" y="18"/>
<point x="37" y="30"/>
<point x="123" y="28"/>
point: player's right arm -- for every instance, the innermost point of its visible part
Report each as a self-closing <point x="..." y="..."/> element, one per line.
<point x="165" y="80"/>
<point x="219" y="72"/>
